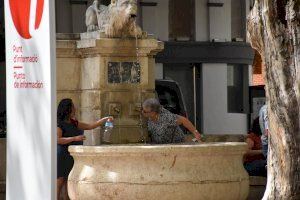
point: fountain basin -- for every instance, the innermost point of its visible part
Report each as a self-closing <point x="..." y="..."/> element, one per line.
<point x="201" y="171"/>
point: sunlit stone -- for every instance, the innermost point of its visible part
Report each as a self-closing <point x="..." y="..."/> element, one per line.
<point x="206" y="171"/>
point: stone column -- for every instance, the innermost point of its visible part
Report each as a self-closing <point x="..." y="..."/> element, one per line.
<point x="105" y="91"/>
<point x="68" y="72"/>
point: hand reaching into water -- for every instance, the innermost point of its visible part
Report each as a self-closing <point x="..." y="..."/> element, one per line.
<point x="79" y="138"/>
<point x="197" y="136"/>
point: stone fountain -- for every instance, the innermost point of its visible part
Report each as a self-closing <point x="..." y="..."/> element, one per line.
<point x="109" y="73"/>
<point x="109" y="70"/>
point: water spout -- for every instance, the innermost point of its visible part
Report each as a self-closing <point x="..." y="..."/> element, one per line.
<point x="143" y="139"/>
<point x="136" y="43"/>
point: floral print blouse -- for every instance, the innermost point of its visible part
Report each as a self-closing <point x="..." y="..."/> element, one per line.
<point x="165" y="130"/>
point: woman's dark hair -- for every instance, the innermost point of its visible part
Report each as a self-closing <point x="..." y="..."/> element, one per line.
<point x="255" y="127"/>
<point x="153" y="104"/>
<point x="64" y="109"/>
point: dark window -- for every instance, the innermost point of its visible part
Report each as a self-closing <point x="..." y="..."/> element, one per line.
<point x="168" y="99"/>
<point x="181" y="20"/>
<point x="237" y="88"/>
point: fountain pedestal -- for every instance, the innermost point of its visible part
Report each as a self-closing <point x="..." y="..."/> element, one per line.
<point x="110" y="82"/>
<point x="194" y="172"/>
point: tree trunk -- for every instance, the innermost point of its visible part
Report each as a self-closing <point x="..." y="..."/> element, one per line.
<point x="274" y="31"/>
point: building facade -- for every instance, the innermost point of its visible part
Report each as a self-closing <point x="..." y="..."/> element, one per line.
<point x="206" y="52"/>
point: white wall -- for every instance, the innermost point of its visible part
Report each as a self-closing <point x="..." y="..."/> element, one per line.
<point x="201" y="21"/>
<point x="156" y="19"/>
<point x="215" y="119"/>
<point x="250" y="73"/>
<point x="225" y="22"/>
<point x="210" y="22"/>
<point x="159" y="71"/>
<point x="220" y="21"/>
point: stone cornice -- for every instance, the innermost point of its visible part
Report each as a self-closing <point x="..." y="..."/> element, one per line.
<point x="66" y="49"/>
<point x="119" y="47"/>
<point x="206" y="52"/>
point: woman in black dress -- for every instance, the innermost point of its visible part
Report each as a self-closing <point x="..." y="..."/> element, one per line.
<point x="69" y="132"/>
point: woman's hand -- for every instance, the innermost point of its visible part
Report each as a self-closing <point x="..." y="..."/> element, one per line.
<point x="188" y="125"/>
<point x="197" y="135"/>
<point x="96" y="124"/>
<point x="79" y="138"/>
<point x="104" y="119"/>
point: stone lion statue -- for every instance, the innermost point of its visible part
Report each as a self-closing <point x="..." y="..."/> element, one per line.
<point x="116" y="20"/>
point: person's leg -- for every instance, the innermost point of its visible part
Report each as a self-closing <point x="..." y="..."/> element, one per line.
<point x="66" y="196"/>
<point x="265" y="149"/>
<point x="264" y="144"/>
<point x="60" y="183"/>
<point x="256" y="168"/>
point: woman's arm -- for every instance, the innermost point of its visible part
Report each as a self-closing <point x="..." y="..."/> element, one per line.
<point x="250" y="151"/>
<point x="188" y="125"/>
<point x="85" y="126"/>
<point x="66" y="140"/>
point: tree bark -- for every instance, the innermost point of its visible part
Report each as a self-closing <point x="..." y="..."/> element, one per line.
<point x="274" y="31"/>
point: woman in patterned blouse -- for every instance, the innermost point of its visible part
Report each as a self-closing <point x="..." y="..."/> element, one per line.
<point x="163" y="125"/>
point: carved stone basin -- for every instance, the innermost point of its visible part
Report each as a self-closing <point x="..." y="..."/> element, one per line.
<point x="127" y="172"/>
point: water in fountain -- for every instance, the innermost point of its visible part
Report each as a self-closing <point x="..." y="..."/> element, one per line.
<point x="137" y="66"/>
<point x="119" y="126"/>
<point x="143" y="139"/>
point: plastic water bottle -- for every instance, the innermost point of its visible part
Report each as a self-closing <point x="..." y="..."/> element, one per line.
<point x="107" y="131"/>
